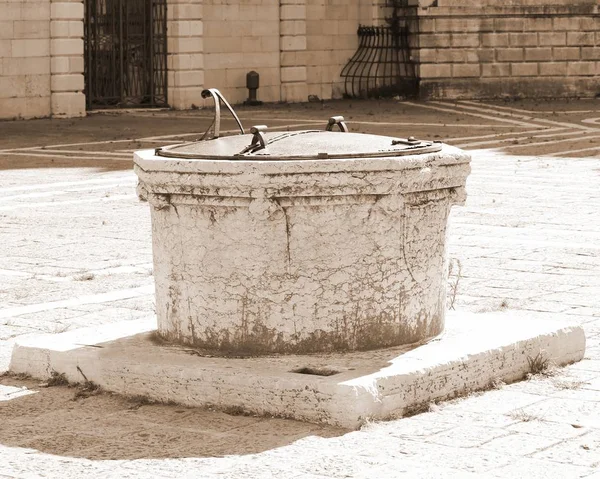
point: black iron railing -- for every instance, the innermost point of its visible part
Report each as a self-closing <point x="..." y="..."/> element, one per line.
<point x="125" y="53"/>
<point x="382" y="65"/>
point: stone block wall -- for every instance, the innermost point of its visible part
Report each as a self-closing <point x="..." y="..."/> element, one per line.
<point x="331" y="41"/>
<point x="512" y="51"/>
<point x="299" y="47"/>
<point x="239" y="36"/>
<point x="41" y="58"/>
<point x="483" y="49"/>
<point x="293" y="49"/>
<point x="24" y="58"/>
<point x="185" y="53"/>
<point x="66" y="64"/>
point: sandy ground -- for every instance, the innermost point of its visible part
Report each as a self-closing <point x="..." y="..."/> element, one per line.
<point x="94" y="425"/>
<point x="75" y="251"/>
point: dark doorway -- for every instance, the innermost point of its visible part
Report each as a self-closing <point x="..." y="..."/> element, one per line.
<point x="125" y="53"/>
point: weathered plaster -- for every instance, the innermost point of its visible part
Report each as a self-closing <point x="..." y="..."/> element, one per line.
<point x="301" y="256"/>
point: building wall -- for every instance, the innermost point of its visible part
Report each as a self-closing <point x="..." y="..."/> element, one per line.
<point x="66" y="62"/>
<point x="508" y="48"/>
<point x="41" y="59"/>
<point x="240" y="36"/>
<point x="299" y="47"/>
<point x="24" y="58"/>
<point x="185" y="53"/>
<point x="511" y="51"/>
<point x="331" y="41"/>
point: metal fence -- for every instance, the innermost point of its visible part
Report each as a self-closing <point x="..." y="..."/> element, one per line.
<point x="381" y="66"/>
<point x="125" y="53"/>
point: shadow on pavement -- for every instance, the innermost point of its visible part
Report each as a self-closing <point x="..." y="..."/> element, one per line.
<point x="106" y="426"/>
<point x="25" y="162"/>
<point x="525" y="128"/>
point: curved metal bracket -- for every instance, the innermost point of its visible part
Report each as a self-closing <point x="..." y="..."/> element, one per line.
<point x="411" y="141"/>
<point x="216" y="123"/>
<point x="339" y="121"/>
<point x="259" y="141"/>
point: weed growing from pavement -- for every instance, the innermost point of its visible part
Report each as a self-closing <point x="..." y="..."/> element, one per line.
<point x="242" y="411"/>
<point x="540" y="364"/>
<point x="524" y="416"/>
<point x="84" y="277"/>
<point x="567" y="385"/>
<point x="237" y="411"/>
<point x="57" y="379"/>
<point x="497" y="383"/>
<point x="502" y="306"/>
<point x="453" y="282"/>
<point x="17" y="376"/>
<point x="60" y="328"/>
<point x="86" y="390"/>
<point x="139" y="400"/>
<point x="157" y="339"/>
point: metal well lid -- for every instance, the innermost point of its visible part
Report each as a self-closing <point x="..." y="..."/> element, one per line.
<point x="261" y="145"/>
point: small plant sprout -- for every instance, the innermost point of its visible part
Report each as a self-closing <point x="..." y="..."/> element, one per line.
<point x="540" y="364"/>
<point x="57" y="379"/>
<point x="454" y="276"/>
<point x="60" y="328"/>
<point x="523" y="416"/>
<point x="568" y="385"/>
<point x="87" y="276"/>
<point x="497" y="383"/>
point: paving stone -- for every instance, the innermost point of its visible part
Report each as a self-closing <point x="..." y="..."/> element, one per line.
<point x="582" y="451"/>
<point x="11" y="331"/>
<point x="408" y="471"/>
<point x="593" y="384"/>
<point x="570" y="411"/>
<point x="468" y="436"/>
<point x="10" y="392"/>
<point x="588" y="364"/>
<point x="28" y="463"/>
<point x="536" y="469"/>
<point x="500" y="401"/>
<point x="521" y="444"/>
<point x="455" y="414"/>
<point x="419" y="426"/>
<point x="551" y="430"/>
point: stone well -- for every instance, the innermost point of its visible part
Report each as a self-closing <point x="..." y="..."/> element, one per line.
<point x="299" y="242"/>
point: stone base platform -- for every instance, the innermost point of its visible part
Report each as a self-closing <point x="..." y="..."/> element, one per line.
<point x="340" y="389"/>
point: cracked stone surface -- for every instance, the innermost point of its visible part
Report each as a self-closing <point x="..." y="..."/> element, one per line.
<point x="301" y="256"/>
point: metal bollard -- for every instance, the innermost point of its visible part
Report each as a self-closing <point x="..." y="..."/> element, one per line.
<point x="252" y="83"/>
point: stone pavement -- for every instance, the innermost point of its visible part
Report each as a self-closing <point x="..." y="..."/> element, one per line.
<point x="75" y="251"/>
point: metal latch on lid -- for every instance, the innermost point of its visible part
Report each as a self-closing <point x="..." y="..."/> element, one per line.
<point x="259" y="141"/>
